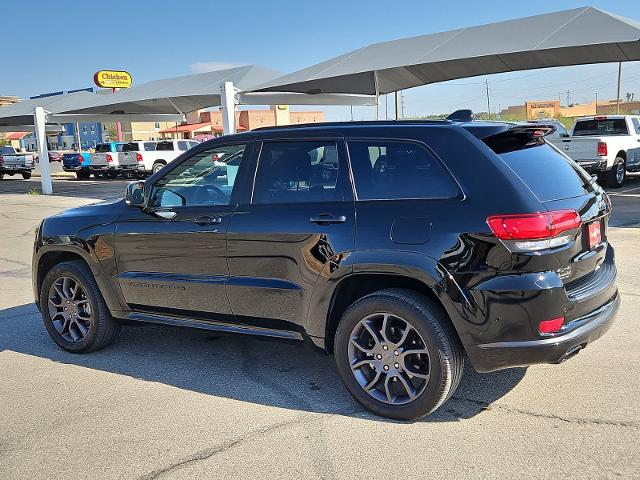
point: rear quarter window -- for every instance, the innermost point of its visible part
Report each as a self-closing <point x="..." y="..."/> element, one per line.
<point x="548" y="173"/>
<point x="164" y="146"/>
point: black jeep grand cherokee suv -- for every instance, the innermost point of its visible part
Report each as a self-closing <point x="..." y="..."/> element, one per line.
<point x="397" y="246"/>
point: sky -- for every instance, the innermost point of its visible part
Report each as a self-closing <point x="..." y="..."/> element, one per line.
<point x="59" y="45"/>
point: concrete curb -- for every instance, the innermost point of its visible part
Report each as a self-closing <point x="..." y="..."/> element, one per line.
<point x="56" y="175"/>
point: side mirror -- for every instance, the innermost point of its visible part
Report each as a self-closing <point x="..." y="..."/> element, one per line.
<point x="135" y="194"/>
<point x="565" y="135"/>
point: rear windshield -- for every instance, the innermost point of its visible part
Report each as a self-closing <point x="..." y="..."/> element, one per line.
<point x="130" y="147"/>
<point x="604" y="126"/>
<point x="120" y="147"/>
<point x="103" y="148"/>
<point x="548" y="173"/>
<point x="164" y="146"/>
<point x="6" y="150"/>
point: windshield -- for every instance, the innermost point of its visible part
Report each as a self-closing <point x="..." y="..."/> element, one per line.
<point x="601" y="126"/>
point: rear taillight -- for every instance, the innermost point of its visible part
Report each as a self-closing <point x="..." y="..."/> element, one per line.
<point x="551" y="326"/>
<point x="109" y="158"/>
<point x="602" y="149"/>
<point x="535" y="231"/>
<point x="138" y="157"/>
<point x="80" y="158"/>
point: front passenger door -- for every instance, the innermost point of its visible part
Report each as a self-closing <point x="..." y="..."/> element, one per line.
<point x="171" y="257"/>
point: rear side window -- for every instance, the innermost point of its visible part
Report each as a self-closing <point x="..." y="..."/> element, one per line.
<point x="182" y="145"/>
<point x="601" y="126"/>
<point x="164" y="146"/>
<point x="149" y="146"/>
<point x="547" y="173"/>
<point x="297" y="172"/>
<point x="385" y="170"/>
<point x="103" y="148"/>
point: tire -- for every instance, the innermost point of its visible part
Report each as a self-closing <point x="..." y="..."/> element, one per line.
<point x="437" y="336"/>
<point x="26" y="175"/>
<point x="157" y="167"/>
<point x="102" y="328"/>
<point x="82" y="175"/>
<point x="615" y="177"/>
<point x="111" y="175"/>
<point x="1" y="176"/>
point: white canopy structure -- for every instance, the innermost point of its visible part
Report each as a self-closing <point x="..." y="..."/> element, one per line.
<point x="570" y="37"/>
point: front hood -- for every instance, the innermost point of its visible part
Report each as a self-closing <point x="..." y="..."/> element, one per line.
<point x="70" y="222"/>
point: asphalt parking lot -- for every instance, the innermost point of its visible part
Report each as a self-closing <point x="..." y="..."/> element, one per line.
<point x="178" y="403"/>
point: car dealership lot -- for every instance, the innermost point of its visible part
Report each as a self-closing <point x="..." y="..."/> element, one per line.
<point x="175" y="403"/>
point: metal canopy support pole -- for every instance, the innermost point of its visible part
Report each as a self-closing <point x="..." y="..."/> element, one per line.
<point x="397" y="94"/>
<point x="375" y="82"/>
<point x="39" y="123"/>
<point x="228" y="103"/>
<point x="618" y="95"/>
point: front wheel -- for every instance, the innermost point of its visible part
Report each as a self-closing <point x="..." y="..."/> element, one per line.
<point x="73" y="310"/>
<point x="616" y="176"/>
<point x="398" y="354"/>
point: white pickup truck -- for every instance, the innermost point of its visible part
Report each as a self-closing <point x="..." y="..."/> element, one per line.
<point x="140" y="158"/>
<point x="12" y="162"/>
<point x="104" y="161"/>
<point x="608" y="145"/>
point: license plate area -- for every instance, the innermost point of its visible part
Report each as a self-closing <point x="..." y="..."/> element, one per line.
<point x="594" y="233"/>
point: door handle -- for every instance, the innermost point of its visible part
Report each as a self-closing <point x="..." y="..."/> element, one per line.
<point x="207" y="220"/>
<point x="327" y="218"/>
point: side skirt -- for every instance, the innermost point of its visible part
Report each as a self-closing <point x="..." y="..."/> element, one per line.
<point x="213" y="325"/>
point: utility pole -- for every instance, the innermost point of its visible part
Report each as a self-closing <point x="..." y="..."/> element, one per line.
<point x="596" y="103"/>
<point x="618" y="95"/>
<point x="401" y="105"/>
<point x="568" y="98"/>
<point x="486" y="82"/>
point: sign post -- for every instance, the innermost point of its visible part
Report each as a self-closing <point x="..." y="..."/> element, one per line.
<point x="115" y="80"/>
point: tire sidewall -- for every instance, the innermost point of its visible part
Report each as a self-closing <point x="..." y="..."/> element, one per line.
<point x="72" y="271"/>
<point x="441" y="376"/>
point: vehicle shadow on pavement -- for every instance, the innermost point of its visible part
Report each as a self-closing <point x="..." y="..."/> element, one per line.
<point x="266" y="372"/>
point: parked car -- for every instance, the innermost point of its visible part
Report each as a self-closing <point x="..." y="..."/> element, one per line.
<point x="398" y="247"/>
<point x="79" y="163"/>
<point x="55" y="156"/>
<point x="150" y="161"/>
<point x="608" y="145"/>
<point x="13" y="162"/>
<point x="104" y="160"/>
<point x="558" y="128"/>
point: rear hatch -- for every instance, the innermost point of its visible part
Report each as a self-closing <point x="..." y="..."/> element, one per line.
<point x="585" y="261"/>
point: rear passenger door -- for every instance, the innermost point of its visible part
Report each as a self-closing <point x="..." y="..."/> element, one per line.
<point x="405" y="198"/>
<point x="296" y="230"/>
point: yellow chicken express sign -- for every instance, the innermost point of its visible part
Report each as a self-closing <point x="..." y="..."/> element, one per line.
<point x="112" y="79"/>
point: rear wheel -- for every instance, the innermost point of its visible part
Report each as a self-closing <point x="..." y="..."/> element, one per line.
<point x="26" y="175"/>
<point x="616" y="176"/>
<point x="111" y="175"/>
<point x="1" y="176"/>
<point x="73" y="310"/>
<point x="157" y="167"/>
<point x="397" y="354"/>
<point x="82" y="175"/>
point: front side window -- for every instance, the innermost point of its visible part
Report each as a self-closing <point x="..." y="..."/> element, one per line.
<point x="636" y="125"/>
<point x="198" y="181"/>
<point x="149" y="146"/>
<point x="387" y="170"/>
<point x="296" y="172"/>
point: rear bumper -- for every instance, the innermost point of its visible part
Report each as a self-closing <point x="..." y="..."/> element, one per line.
<point x="132" y="168"/>
<point x="103" y="168"/>
<point x="496" y="356"/>
<point x="593" y="166"/>
<point x="15" y="168"/>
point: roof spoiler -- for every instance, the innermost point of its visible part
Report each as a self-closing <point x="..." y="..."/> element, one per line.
<point x="461" y="116"/>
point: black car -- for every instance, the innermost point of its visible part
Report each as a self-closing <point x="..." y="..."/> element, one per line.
<point x="397" y="246"/>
